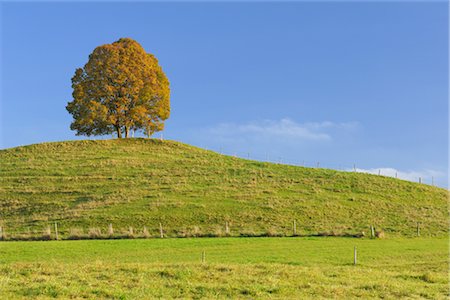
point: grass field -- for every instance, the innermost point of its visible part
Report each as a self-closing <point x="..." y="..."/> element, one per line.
<point x="86" y="185"/>
<point x="277" y="268"/>
<point x="193" y="192"/>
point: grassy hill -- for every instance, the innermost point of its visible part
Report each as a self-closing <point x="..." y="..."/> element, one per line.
<point x="191" y="191"/>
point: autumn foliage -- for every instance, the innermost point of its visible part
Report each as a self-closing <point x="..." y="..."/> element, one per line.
<point x="121" y="88"/>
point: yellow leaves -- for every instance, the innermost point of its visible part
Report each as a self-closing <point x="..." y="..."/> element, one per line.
<point x="120" y="86"/>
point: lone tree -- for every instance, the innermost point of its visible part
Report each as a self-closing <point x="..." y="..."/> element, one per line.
<point x="121" y="88"/>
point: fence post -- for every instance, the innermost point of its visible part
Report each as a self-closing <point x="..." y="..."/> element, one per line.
<point x="56" y="231"/>
<point x="372" y="231"/>
<point x="161" y="233"/>
<point x="227" y="228"/>
<point x="418" y="229"/>
<point x="420" y="179"/>
<point x="1" y="233"/>
<point x="110" y="230"/>
<point x="203" y="256"/>
<point x="354" y="256"/>
<point x="354" y="167"/>
<point x="432" y="180"/>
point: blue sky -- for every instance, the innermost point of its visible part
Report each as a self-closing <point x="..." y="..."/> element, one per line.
<point x="337" y="83"/>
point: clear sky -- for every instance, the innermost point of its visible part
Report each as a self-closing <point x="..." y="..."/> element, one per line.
<point x="335" y="83"/>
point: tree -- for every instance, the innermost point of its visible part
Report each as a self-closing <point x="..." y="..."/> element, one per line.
<point x="121" y="88"/>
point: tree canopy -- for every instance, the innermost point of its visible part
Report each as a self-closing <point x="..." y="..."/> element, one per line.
<point x="121" y="88"/>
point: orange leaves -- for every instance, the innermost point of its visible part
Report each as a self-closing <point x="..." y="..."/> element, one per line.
<point x="120" y="87"/>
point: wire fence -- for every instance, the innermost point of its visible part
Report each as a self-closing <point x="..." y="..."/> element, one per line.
<point x="34" y="229"/>
<point x="56" y="231"/>
<point x="278" y="159"/>
<point x="346" y="167"/>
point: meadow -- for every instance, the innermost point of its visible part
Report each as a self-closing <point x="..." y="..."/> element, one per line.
<point x="85" y="186"/>
<point x="275" y="268"/>
<point x="120" y="196"/>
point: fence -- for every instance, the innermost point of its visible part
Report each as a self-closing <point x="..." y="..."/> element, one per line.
<point x="57" y="232"/>
<point x="347" y="167"/>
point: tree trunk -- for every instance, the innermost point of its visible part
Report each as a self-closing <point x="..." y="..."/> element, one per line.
<point x="119" y="133"/>
<point x="126" y="132"/>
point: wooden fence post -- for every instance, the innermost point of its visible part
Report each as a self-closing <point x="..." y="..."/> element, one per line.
<point x="110" y="230"/>
<point x="418" y="229"/>
<point x="227" y="228"/>
<point x="354" y="256"/>
<point x="1" y="233"/>
<point x="372" y="231"/>
<point x="203" y="256"/>
<point x="161" y="233"/>
<point x="56" y="231"/>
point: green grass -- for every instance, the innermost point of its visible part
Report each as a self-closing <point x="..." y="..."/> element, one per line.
<point x="193" y="192"/>
<point x="277" y="268"/>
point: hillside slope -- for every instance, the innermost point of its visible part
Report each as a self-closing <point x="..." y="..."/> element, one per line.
<point x="191" y="191"/>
